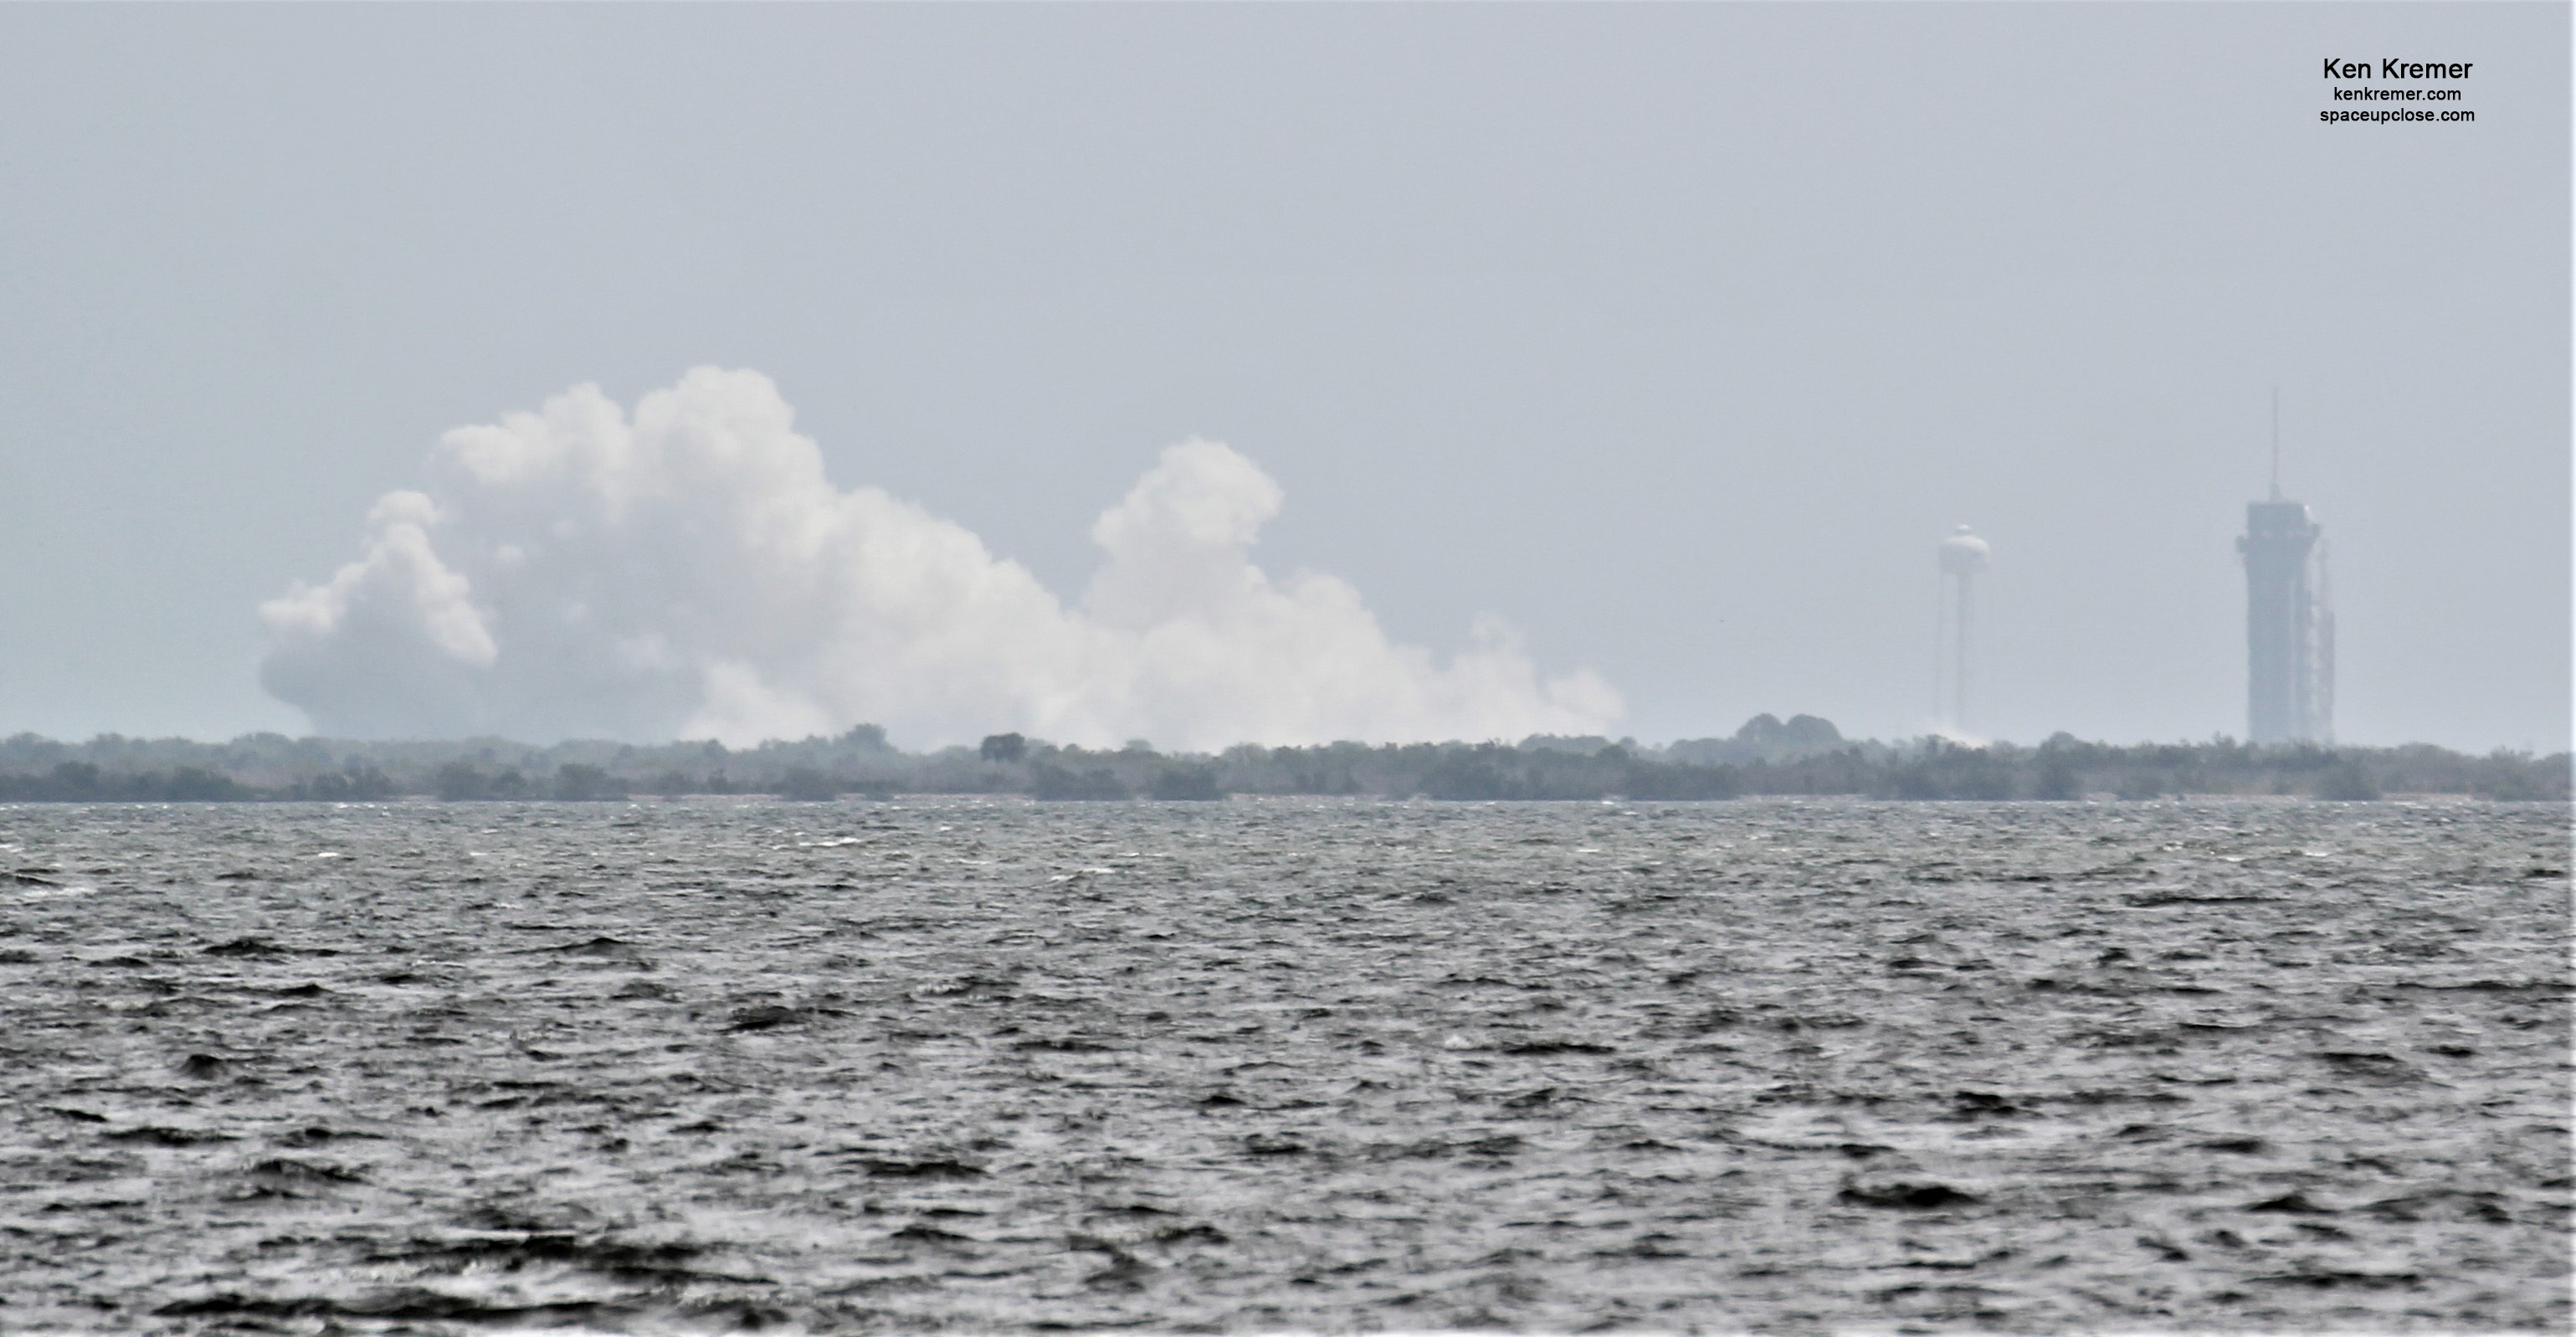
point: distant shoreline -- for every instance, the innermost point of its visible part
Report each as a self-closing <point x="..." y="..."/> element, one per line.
<point x="1766" y="758"/>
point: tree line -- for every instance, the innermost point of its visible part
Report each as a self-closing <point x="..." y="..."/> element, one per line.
<point x="1768" y="756"/>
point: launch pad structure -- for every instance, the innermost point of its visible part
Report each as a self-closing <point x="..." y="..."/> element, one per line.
<point x="2289" y="618"/>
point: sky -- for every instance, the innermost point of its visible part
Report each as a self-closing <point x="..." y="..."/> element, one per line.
<point x="1457" y="370"/>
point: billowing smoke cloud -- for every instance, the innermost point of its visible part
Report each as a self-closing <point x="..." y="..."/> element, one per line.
<point x="690" y="572"/>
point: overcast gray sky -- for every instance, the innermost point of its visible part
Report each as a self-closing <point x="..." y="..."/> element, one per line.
<point x="1676" y="336"/>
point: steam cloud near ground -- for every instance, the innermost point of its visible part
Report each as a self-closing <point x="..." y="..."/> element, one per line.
<point x="690" y="572"/>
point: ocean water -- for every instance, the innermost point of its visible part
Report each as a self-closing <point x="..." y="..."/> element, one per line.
<point x="1285" y="1065"/>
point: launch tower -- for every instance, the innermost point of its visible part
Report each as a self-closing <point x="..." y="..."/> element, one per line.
<point x="2289" y="624"/>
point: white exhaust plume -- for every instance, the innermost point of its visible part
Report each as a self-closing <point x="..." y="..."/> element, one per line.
<point x="691" y="573"/>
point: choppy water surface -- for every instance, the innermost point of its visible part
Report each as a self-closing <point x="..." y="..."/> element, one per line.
<point x="1285" y="1065"/>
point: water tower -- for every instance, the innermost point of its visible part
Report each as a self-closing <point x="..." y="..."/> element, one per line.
<point x="1963" y="555"/>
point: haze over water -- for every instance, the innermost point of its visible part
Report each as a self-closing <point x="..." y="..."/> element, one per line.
<point x="1307" y="1064"/>
<point x="1586" y="369"/>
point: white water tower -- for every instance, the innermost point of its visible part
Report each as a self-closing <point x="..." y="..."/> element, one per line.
<point x="1963" y="555"/>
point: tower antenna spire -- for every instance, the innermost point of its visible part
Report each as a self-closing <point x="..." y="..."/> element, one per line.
<point x="2276" y="443"/>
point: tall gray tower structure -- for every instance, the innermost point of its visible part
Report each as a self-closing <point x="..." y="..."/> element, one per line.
<point x="1963" y="555"/>
<point x="2289" y="625"/>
